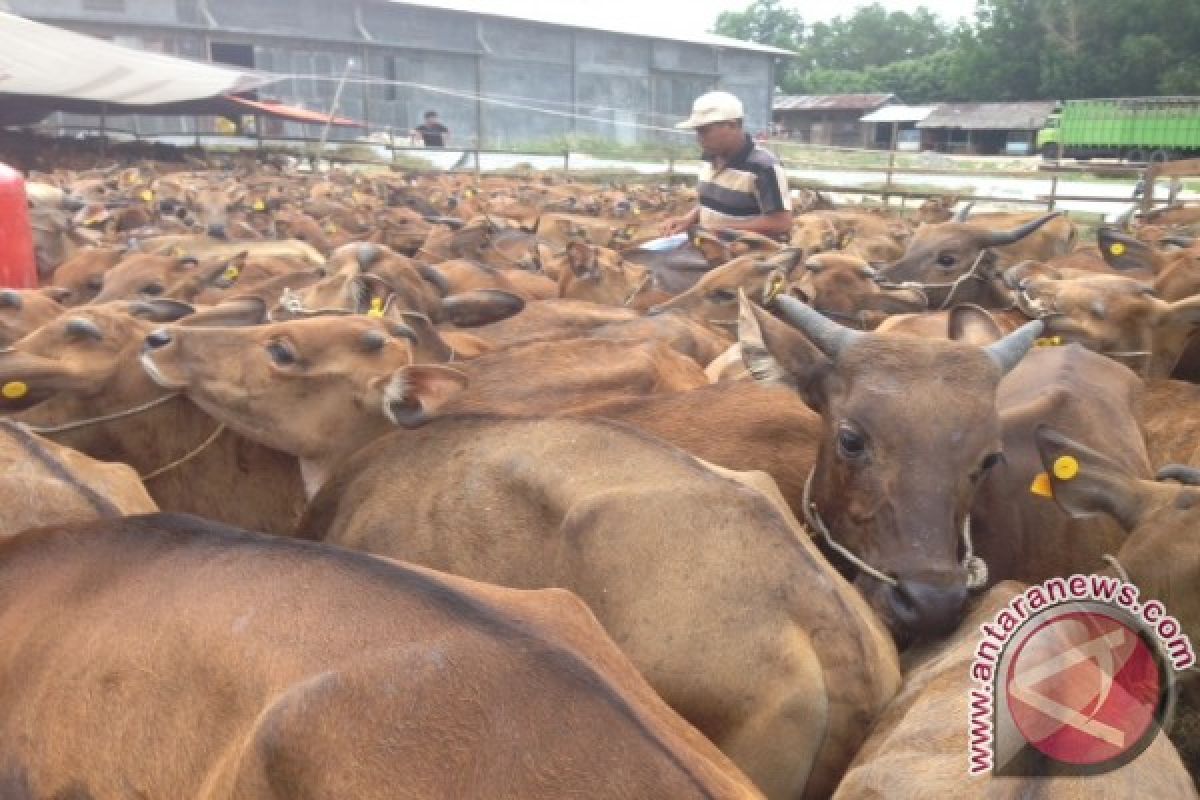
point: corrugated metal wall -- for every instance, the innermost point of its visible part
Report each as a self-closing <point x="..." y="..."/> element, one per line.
<point x="593" y="84"/>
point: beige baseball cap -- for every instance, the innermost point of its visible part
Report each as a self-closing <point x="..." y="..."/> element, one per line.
<point x="713" y="107"/>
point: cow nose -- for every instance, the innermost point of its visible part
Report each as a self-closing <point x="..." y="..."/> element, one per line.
<point x="928" y="609"/>
<point x="158" y="339"/>
<point x="216" y="231"/>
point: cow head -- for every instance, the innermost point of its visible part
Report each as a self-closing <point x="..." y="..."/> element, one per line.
<point x="78" y="362"/>
<point x="307" y="387"/>
<point x="846" y="288"/>
<point x="943" y="252"/>
<point x="1116" y="316"/>
<point x="910" y="428"/>
<point x="24" y="310"/>
<point x="714" y="298"/>
<point x="600" y="276"/>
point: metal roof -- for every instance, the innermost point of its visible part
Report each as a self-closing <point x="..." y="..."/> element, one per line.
<point x="581" y="15"/>
<point x="830" y="102"/>
<point x="989" y="116"/>
<point x="898" y="113"/>
<point x="42" y="60"/>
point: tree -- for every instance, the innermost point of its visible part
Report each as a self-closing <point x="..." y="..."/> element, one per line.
<point x="764" y="22"/>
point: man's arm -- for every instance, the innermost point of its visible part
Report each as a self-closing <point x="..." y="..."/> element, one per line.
<point x="777" y="223"/>
<point x="676" y="225"/>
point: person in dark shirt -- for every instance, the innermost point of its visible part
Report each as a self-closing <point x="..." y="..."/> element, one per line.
<point x="433" y="132"/>
<point x="741" y="186"/>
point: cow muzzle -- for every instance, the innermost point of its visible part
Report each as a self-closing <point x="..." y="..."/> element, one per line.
<point x="929" y="605"/>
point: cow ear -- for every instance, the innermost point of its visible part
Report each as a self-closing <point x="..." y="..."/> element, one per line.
<point x="480" y="307"/>
<point x="775" y="352"/>
<point x="974" y="325"/>
<point x="581" y="257"/>
<point x="160" y="309"/>
<point x="1084" y="482"/>
<point x="1123" y="252"/>
<point x="1183" y="312"/>
<point x="898" y="301"/>
<point x="237" y="312"/>
<point x="414" y="394"/>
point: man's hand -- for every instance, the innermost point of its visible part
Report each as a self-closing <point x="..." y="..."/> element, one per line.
<point x="676" y="225"/>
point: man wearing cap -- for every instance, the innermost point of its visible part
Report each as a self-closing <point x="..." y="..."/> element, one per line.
<point x="741" y="185"/>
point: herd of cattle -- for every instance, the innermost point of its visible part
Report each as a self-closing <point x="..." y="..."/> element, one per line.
<point x="465" y="494"/>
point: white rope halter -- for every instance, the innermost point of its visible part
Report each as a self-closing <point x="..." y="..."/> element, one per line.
<point x="977" y="573"/>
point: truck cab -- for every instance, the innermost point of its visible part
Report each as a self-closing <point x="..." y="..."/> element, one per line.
<point x="1049" y="137"/>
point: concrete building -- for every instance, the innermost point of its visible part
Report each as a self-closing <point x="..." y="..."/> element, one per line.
<point x="496" y="80"/>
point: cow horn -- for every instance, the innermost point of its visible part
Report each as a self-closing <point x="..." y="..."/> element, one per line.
<point x="962" y="214"/>
<point x="1189" y="476"/>
<point x="998" y="238"/>
<point x="1009" y="351"/>
<point x="1123" y="222"/>
<point x="828" y="336"/>
<point x="367" y="255"/>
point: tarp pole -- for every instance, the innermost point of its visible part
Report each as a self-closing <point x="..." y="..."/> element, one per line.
<point x="337" y="98"/>
<point x="104" y="130"/>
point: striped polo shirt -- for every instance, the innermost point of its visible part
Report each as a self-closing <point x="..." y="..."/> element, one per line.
<point x="751" y="184"/>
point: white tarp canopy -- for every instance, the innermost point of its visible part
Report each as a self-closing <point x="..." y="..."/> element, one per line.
<point x="898" y="113"/>
<point x="44" y="61"/>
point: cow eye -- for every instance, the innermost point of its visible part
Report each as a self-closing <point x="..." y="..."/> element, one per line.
<point x="722" y="296"/>
<point x="152" y="289"/>
<point x="991" y="460"/>
<point x="281" y="353"/>
<point x="946" y="260"/>
<point x="851" y="443"/>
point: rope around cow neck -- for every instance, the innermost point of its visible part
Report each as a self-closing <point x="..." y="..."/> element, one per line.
<point x="975" y="566"/>
<point x="83" y="423"/>
<point x="129" y="412"/>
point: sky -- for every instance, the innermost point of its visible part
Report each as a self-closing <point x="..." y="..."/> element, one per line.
<point x="695" y="16"/>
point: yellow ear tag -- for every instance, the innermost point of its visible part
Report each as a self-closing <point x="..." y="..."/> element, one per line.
<point x="1050" y="341"/>
<point x="636" y="211"/>
<point x="176" y="252"/>
<point x="1041" y="486"/>
<point x="331" y="229"/>
<point x="1066" y="468"/>
<point x="469" y="193"/>
<point x="14" y="390"/>
<point x="376" y="307"/>
<point x="1116" y="248"/>
<point x="147" y="196"/>
<point x="259" y="205"/>
<point x="231" y="274"/>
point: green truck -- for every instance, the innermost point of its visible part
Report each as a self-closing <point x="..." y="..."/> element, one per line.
<point x="1138" y="129"/>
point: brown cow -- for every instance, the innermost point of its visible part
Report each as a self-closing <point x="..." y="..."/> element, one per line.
<point x="703" y="581"/>
<point x="43" y="483"/>
<point x="909" y="430"/>
<point x="83" y="366"/>
<point x="713" y="300"/>
<point x="919" y="747"/>
<point x="939" y="255"/>
<point x="1168" y="415"/>
<point x="1093" y="399"/>
<point x="213" y="663"/>
<point x="83" y="274"/>
<point x="846" y="288"/>
<point x="1160" y="556"/>
<point x="321" y="388"/>
<point x="1117" y="316"/>
<point x="24" y="310"/>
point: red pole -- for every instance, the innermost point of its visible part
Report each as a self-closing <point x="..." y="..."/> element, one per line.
<point x="18" y="269"/>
